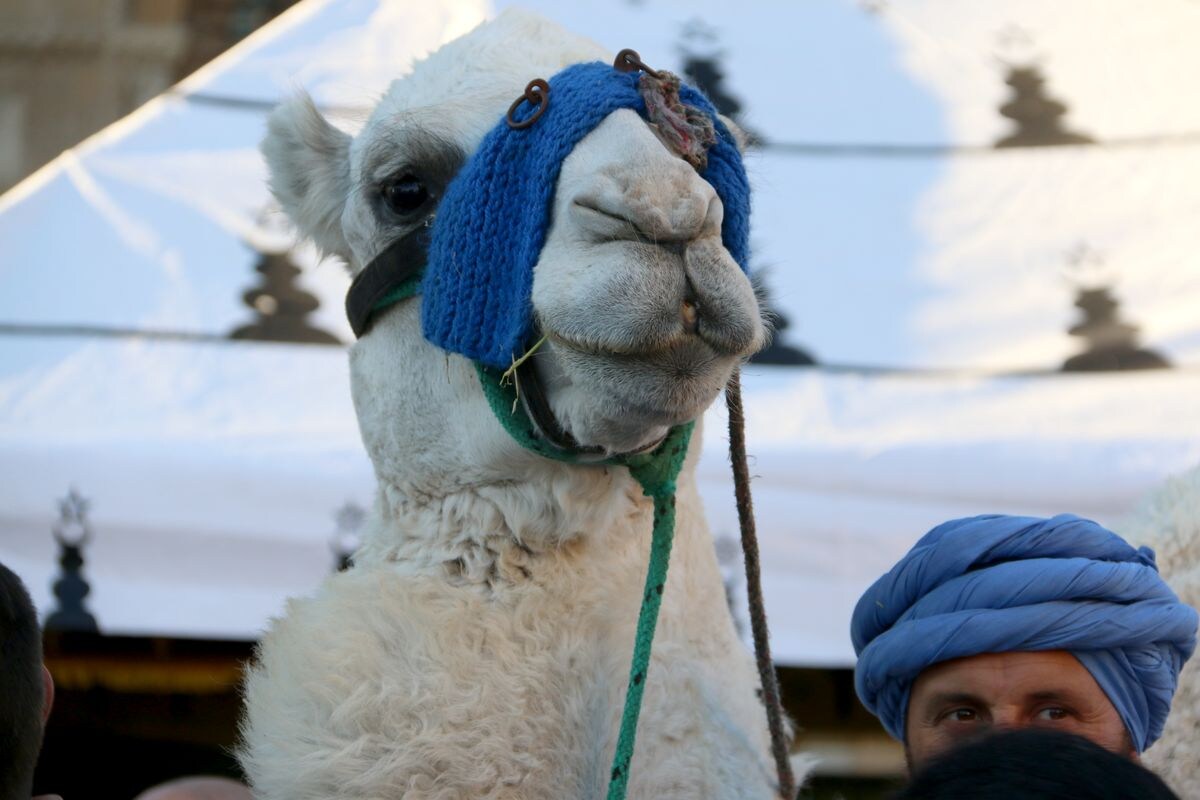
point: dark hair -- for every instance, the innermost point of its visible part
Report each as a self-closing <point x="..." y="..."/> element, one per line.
<point x="21" y="689"/>
<point x="1037" y="765"/>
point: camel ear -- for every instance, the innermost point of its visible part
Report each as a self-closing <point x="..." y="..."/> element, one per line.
<point x="309" y="164"/>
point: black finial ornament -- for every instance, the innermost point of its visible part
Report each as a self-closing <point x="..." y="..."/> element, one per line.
<point x="282" y="306"/>
<point x="702" y="57"/>
<point x="703" y="68"/>
<point x="72" y="532"/>
<point x="778" y="352"/>
<point x="1112" y="344"/>
<point x="347" y="538"/>
<point x="1039" y="117"/>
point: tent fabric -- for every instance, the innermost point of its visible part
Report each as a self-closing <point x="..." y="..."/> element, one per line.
<point x="936" y="291"/>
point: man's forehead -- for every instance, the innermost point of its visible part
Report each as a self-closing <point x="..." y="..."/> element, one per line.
<point x="1047" y="673"/>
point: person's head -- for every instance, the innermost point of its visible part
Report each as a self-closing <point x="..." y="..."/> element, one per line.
<point x="1011" y="622"/>
<point x="25" y="689"/>
<point x="1034" y="764"/>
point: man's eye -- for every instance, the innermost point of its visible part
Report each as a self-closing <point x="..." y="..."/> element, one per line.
<point x="962" y="715"/>
<point x="1052" y="714"/>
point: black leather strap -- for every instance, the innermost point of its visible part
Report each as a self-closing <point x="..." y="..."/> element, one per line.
<point x="537" y="408"/>
<point x="401" y="260"/>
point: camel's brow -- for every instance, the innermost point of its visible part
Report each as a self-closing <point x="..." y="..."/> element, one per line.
<point x="429" y="154"/>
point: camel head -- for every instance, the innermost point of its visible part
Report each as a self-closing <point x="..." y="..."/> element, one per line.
<point x="643" y="310"/>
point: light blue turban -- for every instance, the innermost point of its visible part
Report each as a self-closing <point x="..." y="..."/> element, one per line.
<point x="998" y="584"/>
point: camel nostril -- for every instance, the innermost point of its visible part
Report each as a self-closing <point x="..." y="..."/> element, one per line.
<point x="690" y="314"/>
<point x="676" y="248"/>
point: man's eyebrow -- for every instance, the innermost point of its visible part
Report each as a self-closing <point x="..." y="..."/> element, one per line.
<point x="1051" y="694"/>
<point x="952" y="698"/>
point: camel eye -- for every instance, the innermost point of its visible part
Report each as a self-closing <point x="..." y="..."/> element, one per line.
<point x="405" y="194"/>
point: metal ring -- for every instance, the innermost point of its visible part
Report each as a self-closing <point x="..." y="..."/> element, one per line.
<point x="537" y="93"/>
<point x="628" y="60"/>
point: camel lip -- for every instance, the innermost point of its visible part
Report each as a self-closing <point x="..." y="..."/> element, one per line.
<point x="652" y="446"/>
<point x="691" y="364"/>
<point x="677" y="341"/>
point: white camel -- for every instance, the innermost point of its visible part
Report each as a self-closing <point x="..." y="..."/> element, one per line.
<point x="480" y="647"/>
<point x="1169" y="521"/>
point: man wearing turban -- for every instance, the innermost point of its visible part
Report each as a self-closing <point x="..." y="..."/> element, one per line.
<point x="1008" y="622"/>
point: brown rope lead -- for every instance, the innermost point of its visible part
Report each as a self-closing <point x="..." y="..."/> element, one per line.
<point x="758" y="612"/>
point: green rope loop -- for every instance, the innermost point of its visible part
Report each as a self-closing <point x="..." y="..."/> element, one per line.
<point x="408" y="289"/>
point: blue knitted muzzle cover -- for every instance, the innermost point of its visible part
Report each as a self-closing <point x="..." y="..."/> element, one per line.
<point x="492" y="221"/>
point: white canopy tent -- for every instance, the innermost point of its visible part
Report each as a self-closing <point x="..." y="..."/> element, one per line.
<point x="934" y="286"/>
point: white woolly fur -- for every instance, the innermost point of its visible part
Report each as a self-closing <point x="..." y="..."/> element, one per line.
<point x="1169" y="522"/>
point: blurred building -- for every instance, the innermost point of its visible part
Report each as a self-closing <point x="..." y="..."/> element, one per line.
<point x="70" y="67"/>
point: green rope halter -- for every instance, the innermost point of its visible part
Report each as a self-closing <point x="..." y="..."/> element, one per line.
<point x="655" y="472"/>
